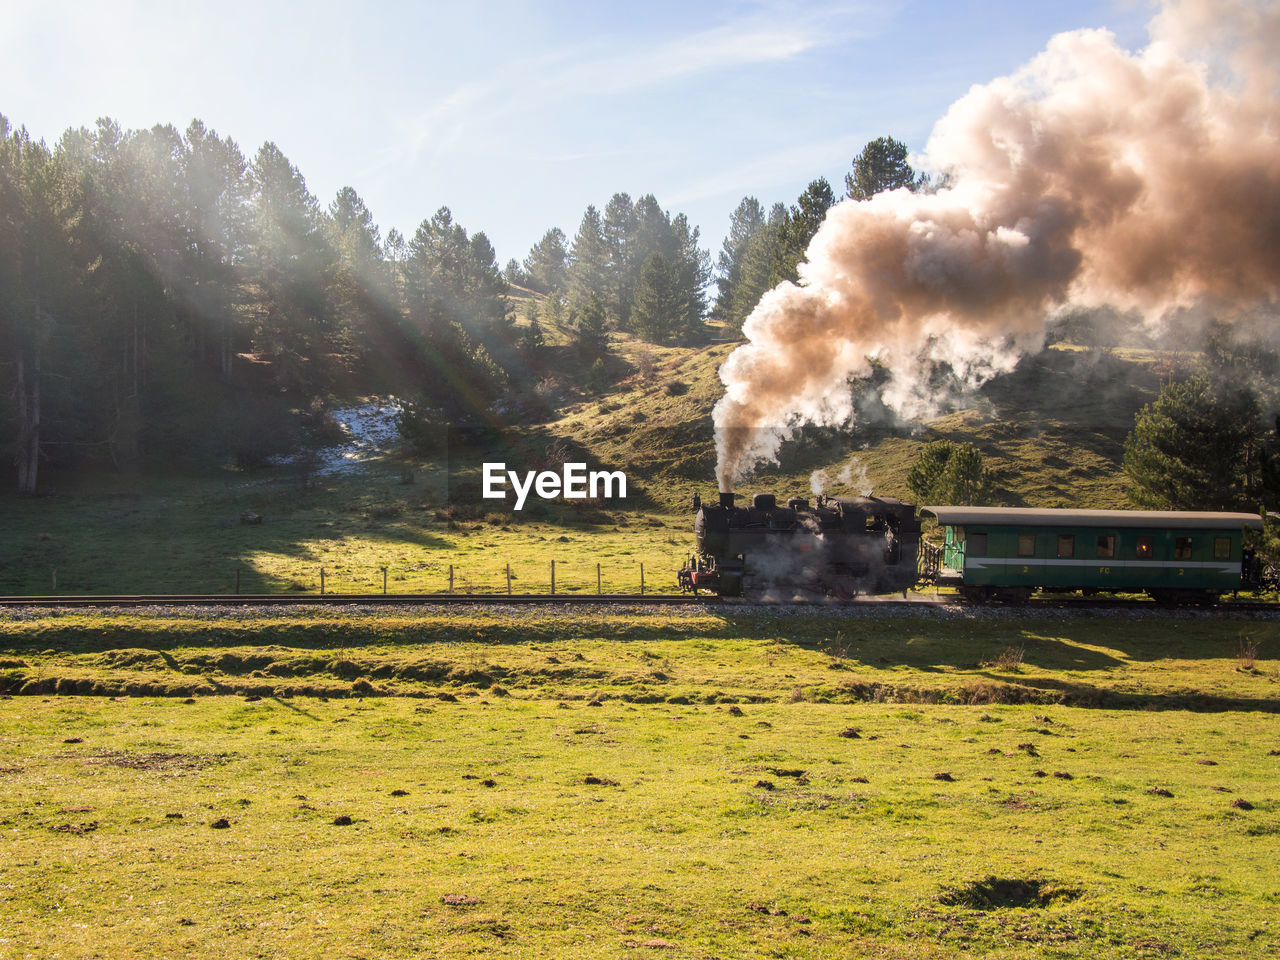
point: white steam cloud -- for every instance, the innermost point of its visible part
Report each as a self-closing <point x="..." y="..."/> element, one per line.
<point x="1145" y="182"/>
<point x="852" y="474"/>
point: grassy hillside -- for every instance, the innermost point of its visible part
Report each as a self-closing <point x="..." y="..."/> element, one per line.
<point x="1053" y="430"/>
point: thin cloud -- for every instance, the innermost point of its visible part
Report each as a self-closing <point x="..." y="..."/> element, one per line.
<point x="778" y="167"/>
<point x="528" y="85"/>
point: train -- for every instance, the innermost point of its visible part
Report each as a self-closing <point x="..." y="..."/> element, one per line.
<point x="842" y="547"/>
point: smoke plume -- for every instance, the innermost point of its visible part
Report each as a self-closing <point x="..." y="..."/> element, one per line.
<point x="852" y="474"/>
<point x="1145" y="182"/>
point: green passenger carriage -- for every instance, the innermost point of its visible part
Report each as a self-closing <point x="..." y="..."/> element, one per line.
<point x="1004" y="553"/>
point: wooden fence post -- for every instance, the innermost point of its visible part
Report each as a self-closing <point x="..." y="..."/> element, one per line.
<point x="553" y="578"/>
<point x="322" y="581"/>
<point x="384" y="581"/>
<point x="642" y="579"/>
<point x="451" y="578"/>
<point x="237" y="581"/>
<point x="508" y="579"/>
<point x="598" y="590"/>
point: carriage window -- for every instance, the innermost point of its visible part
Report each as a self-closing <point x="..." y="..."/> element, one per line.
<point x="1222" y="548"/>
<point x="1146" y="546"/>
<point x="1182" y="548"/>
<point x="977" y="545"/>
<point x="1106" y="546"/>
<point x="1026" y="544"/>
<point x="1066" y="545"/>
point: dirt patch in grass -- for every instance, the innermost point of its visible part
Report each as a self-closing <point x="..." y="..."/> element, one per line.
<point x="459" y="900"/>
<point x="1015" y="803"/>
<point x="76" y="828"/>
<point x="158" y="761"/>
<point x="1002" y="893"/>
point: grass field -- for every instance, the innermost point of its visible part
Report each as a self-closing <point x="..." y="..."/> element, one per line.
<point x="696" y="784"/>
<point x="183" y="535"/>
<point x="793" y="782"/>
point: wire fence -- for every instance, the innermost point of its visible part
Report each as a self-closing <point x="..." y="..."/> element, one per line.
<point x="552" y="577"/>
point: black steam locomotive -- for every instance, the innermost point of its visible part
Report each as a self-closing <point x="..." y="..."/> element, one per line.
<point x="836" y="546"/>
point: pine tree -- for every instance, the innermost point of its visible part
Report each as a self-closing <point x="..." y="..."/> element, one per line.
<point x="693" y="274"/>
<point x="797" y="229"/>
<point x="757" y="266"/>
<point x="589" y="262"/>
<point x="531" y="342"/>
<point x="290" y="259"/>
<point x="745" y="222"/>
<point x="547" y="266"/>
<point x="514" y="273"/>
<point x="591" y="339"/>
<point x="618" y="229"/>
<point x="1195" y="447"/>
<point x="951" y="473"/>
<point x="658" y="306"/>
<point x="217" y="221"/>
<point x="882" y="165"/>
<point x="36" y="285"/>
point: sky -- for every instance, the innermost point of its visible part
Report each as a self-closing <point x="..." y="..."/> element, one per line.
<point x="516" y="115"/>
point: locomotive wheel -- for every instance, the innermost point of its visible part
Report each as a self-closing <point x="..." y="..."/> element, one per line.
<point x="1170" y="598"/>
<point x="730" y="584"/>
<point x="976" y="594"/>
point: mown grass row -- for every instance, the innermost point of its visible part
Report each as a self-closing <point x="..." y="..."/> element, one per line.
<point x="1194" y="661"/>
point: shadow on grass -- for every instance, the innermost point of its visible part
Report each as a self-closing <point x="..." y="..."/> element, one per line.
<point x="290" y="705"/>
<point x="1079" y="644"/>
<point x="878" y="661"/>
<point x="1076" y="694"/>
<point x="193" y="535"/>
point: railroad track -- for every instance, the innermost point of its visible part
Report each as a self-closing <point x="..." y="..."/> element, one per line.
<point x="361" y="599"/>
<point x="886" y="604"/>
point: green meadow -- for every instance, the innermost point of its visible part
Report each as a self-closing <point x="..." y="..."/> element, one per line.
<point x="779" y="783"/>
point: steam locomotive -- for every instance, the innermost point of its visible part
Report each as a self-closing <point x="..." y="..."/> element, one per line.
<point x="836" y="546"/>
<point x="843" y="546"/>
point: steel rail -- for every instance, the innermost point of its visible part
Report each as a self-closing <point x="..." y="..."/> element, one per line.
<point x="349" y="599"/>
<point x="888" y="604"/>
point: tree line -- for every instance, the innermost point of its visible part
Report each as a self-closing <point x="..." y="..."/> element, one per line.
<point x="163" y="296"/>
<point x="634" y="268"/>
<point x="762" y="250"/>
<point x="637" y="269"/>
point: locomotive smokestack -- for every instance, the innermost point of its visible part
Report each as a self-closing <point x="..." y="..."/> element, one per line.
<point x="1093" y="177"/>
<point x="726" y="500"/>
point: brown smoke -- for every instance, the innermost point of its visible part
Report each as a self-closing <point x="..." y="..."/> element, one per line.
<point x="1093" y="177"/>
